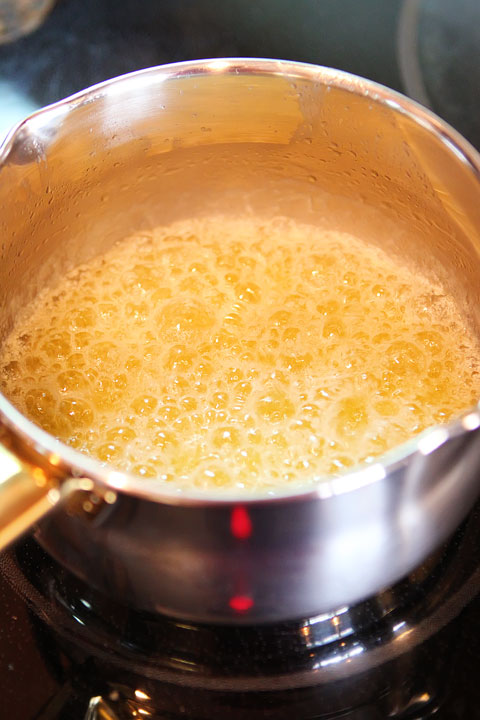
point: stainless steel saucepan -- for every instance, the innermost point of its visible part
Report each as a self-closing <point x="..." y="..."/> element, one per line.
<point x="268" y="137"/>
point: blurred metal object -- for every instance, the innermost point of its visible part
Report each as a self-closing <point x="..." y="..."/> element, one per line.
<point x="267" y="137"/>
<point x="27" y="493"/>
<point x="20" y="17"/>
<point x="99" y="709"/>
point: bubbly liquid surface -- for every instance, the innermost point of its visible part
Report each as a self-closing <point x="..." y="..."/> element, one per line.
<point x="225" y="353"/>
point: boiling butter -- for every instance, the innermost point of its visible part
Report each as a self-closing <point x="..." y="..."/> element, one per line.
<point x="228" y="353"/>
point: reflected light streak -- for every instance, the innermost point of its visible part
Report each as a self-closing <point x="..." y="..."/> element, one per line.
<point x="341" y="657"/>
<point x="218" y="65"/>
<point x="117" y="480"/>
<point x="433" y="441"/>
<point x="141" y="695"/>
<point x="9" y="466"/>
<point x="455" y="149"/>
<point x="471" y="421"/>
<point x="78" y="619"/>
<point x="328" y="615"/>
<point x="367" y="476"/>
<point x="404" y="634"/>
<point x="190" y="664"/>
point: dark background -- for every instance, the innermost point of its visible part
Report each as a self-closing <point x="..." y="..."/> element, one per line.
<point x="428" y="49"/>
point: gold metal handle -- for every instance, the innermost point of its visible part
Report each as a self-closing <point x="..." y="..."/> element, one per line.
<point x="27" y="493"/>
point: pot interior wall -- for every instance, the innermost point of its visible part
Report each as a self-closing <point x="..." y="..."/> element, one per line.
<point x="153" y="149"/>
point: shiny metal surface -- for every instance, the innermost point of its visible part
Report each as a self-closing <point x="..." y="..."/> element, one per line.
<point x="27" y="494"/>
<point x="20" y="17"/>
<point x="268" y="137"/>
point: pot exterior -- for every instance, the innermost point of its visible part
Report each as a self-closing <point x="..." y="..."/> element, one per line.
<point x="275" y="560"/>
<point x="269" y="138"/>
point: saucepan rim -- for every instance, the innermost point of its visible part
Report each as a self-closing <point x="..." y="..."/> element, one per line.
<point x="75" y="463"/>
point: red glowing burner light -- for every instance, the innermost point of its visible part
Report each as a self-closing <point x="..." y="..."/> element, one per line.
<point x="240" y="523"/>
<point x="241" y="603"/>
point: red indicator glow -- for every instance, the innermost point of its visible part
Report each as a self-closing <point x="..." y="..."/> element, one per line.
<point x="241" y="603"/>
<point x="240" y="523"/>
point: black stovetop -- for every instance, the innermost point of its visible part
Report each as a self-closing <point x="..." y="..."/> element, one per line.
<point x="51" y="668"/>
<point x="409" y="653"/>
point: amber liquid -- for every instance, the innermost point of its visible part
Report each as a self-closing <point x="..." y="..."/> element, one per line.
<point x="230" y="354"/>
